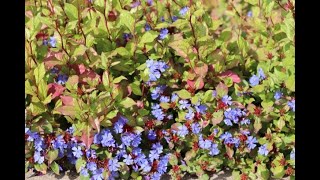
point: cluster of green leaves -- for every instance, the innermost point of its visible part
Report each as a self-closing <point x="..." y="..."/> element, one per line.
<point x="108" y="76"/>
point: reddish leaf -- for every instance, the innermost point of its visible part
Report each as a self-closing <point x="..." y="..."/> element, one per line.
<point x="53" y="59"/>
<point x="87" y="139"/>
<point x="67" y="100"/>
<point x="199" y="83"/>
<point x="229" y="151"/>
<point x="55" y="89"/>
<point x="89" y="76"/>
<point x="191" y="84"/>
<point x="73" y="79"/>
<point x="235" y="78"/>
<point x="79" y="68"/>
<point x="95" y="123"/>
<point x="202" y="70"/>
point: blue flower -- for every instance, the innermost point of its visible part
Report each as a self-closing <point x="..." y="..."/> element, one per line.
<point x="182" y="131"/>
<point x="152" y="135"/>
<point x="145" y="166"/>
<point x="190" y="114"/>
<point x="77" y="152"/>
<point x="136" y="140"/>
<point x="174" y="97"/>
<point x="225" y="135"/>
<point x="293" y="154"/>
<point x="162" y="19"/>
<point x="236" y="142"/>
<point x="214" y="149"/>
<point x="174" y="18"/>
<point x="107" y="139"/>
<point x="158" y="113"/>
<point x="127" y="138"/>
<point x="92" y="166"/>
<point x="251" y="142"/>
<point x="201" y="109"/>
<point x="263" y="150"/>
<point x="249" y="14"/>
<point x="120" y="153"/>
<point x="245" y="122"/>
<point x="52" y="41"/>
<point x="62" y="79"/>
<point x="54" y="70"/>
<point x="261" y="74"/>
<point x="147" y="27"/>
<point x="127" y="36"/>
<point x="58" y="143"/>
<point x="38" y="158"/>
<point x="155" y="94"/>
<point x="215" y="131"/>
<point x="292" y="104"/>
<point x="226" y="99"/>
<point x="39" y="144"/>
<point x="214" y="93"/>
<point x="164" y="99"/>
<point x="118" y="127"/>
<point x="162" y="166"/>
<point x="158" y="147"/>
<point x="84" y="172"/>
<point x="155" y="176"/>
<point x="195" y="127"/>
<point x="32" y="136"/>
<point x="184" y="104"/>
<point x="153" y="155"/>
<point x="227" y="122"/>
<point x="128" y="159"/>
<point x="135" y="4"/>
<point x="278" y="95"/>
<point x="183" y="11"/>
<point x="254" y="80"/>
<point x="113" y="165"/>
<point x="204" y="144"/>
<point x="155" y="69"/>
<point x="163" y="33"/>
<point x="91" y="153"/>
<point x="98" y="174"/>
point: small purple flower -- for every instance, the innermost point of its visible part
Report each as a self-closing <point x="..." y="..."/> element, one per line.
<point x="127" y="138"/>
<point x="293" y="154"/>
<point x="92" y="166"/>
<point x="225" y="135"/>
<point x="278" y="95"/>
<point x="214" y="149"/>
<point x="128" y="159"/>
<point x="158" y="113"/>
<point x="84" y="172"/>
<point x="162" y="19"/>
<point x="174" y="18"/>
<point x="127" y="36"/>
<point x="184" y="104"/>
<point x="152" y="135"/>
<point x="214" y="93"/>
<point x="254" y="80"/>
<point x="182" y="131"/>
<point x="77" y="152"/>
<point x="147" y="27"/>
<point x="226" y="99"/>
<point x="204" y="144"/>
<point x="91" y="153"/>
<point x="136" y="140"/>
<point x="38" y="158"/>
<point x="195" y="127"/>
<point x="164" y="99"/>
<point x="215" y="131"/>
<point x="98" y="174"/>
<point x="113" y="165"/>
<point x="135" y="4"/>
<point x="163" y="33"/>
<point x="236" y="142"/>
<point x="263" y="150"/>
<point x="174" y="97"/>
<point x="261" y="74"/>
<point x="249" y="14"/>
<point x="153" y="155"/>
<point x="54" y="70"/>
<point x="118" y="127"/>
<point x="292" y="104"/>
<point x="183" y="11"/>
<point x="52" y="41"/>
<point x="156" y="176"/>
<point x="190" y="114"/>
<point x="251" y="142"/>
<point x="201" y="109"/>
<point x="149" y="2"/>
<point x="227" y="122"/>
<point x="45" y="42"/>
<point x="62" y="79"/>
<point x="245" y="122"/>
<point x="158" y="147"/>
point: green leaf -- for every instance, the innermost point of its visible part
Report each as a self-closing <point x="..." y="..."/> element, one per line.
<point x="71" y="11"/>
<point x="278" y="172"/>
<point x="127" y="20"/>
<point x="119" y="79"/>
<point x="55" y="168"/>
<point x="128" y="102"/>
<point x="184" y="94"/>
<point x="29" y="89"/>
<point x="37" y="108"/>
<point x="217" y="117"/>
<point x="41" y="168"/>
<point x="52" y="155"/>
<point x="42" y="90"/>
<point x="80" y="163"/>
<point x="136" y="88"/>
<point x="39" y="72"/>
<point x="79" y="50"/>
<point x="290" y="83"/>
<point x="253" y="2"/>
<point x="148" y="37"/>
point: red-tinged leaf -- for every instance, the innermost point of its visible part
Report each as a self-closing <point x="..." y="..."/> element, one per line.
<point x="202" y="70"/>
<point x="67" y="110"/>
<point x="204" y="124"/>
<point x="129" y="89"/>
<point x="235" y="78"/>
<point x="95" y="123"/>
<point x="79" y="68"/>
<point x="55" y="89"/>
<point x="67" y="100"/>
<point x="191" y="84"/>
<point x="217" y="117"/>
<point x="222" y="89"/>
<point x="175" y="126"/>
<point x="238" y="104"/>
<point x="199" y="83"/>
<point x="73" y="79"/>
<point x="52" y="59"/>
<point x="89" y="76"/>
<point x="87" y="138"/>
<point x="229" y="151"/>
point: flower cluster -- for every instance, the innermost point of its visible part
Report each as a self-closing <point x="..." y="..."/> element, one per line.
<point x="155" y="69"/>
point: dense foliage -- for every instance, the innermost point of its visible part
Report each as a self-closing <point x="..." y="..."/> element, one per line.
<point x="123" y="89"/>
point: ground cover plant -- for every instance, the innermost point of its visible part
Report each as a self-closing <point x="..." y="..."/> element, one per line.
<point x="135" y="89"/>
